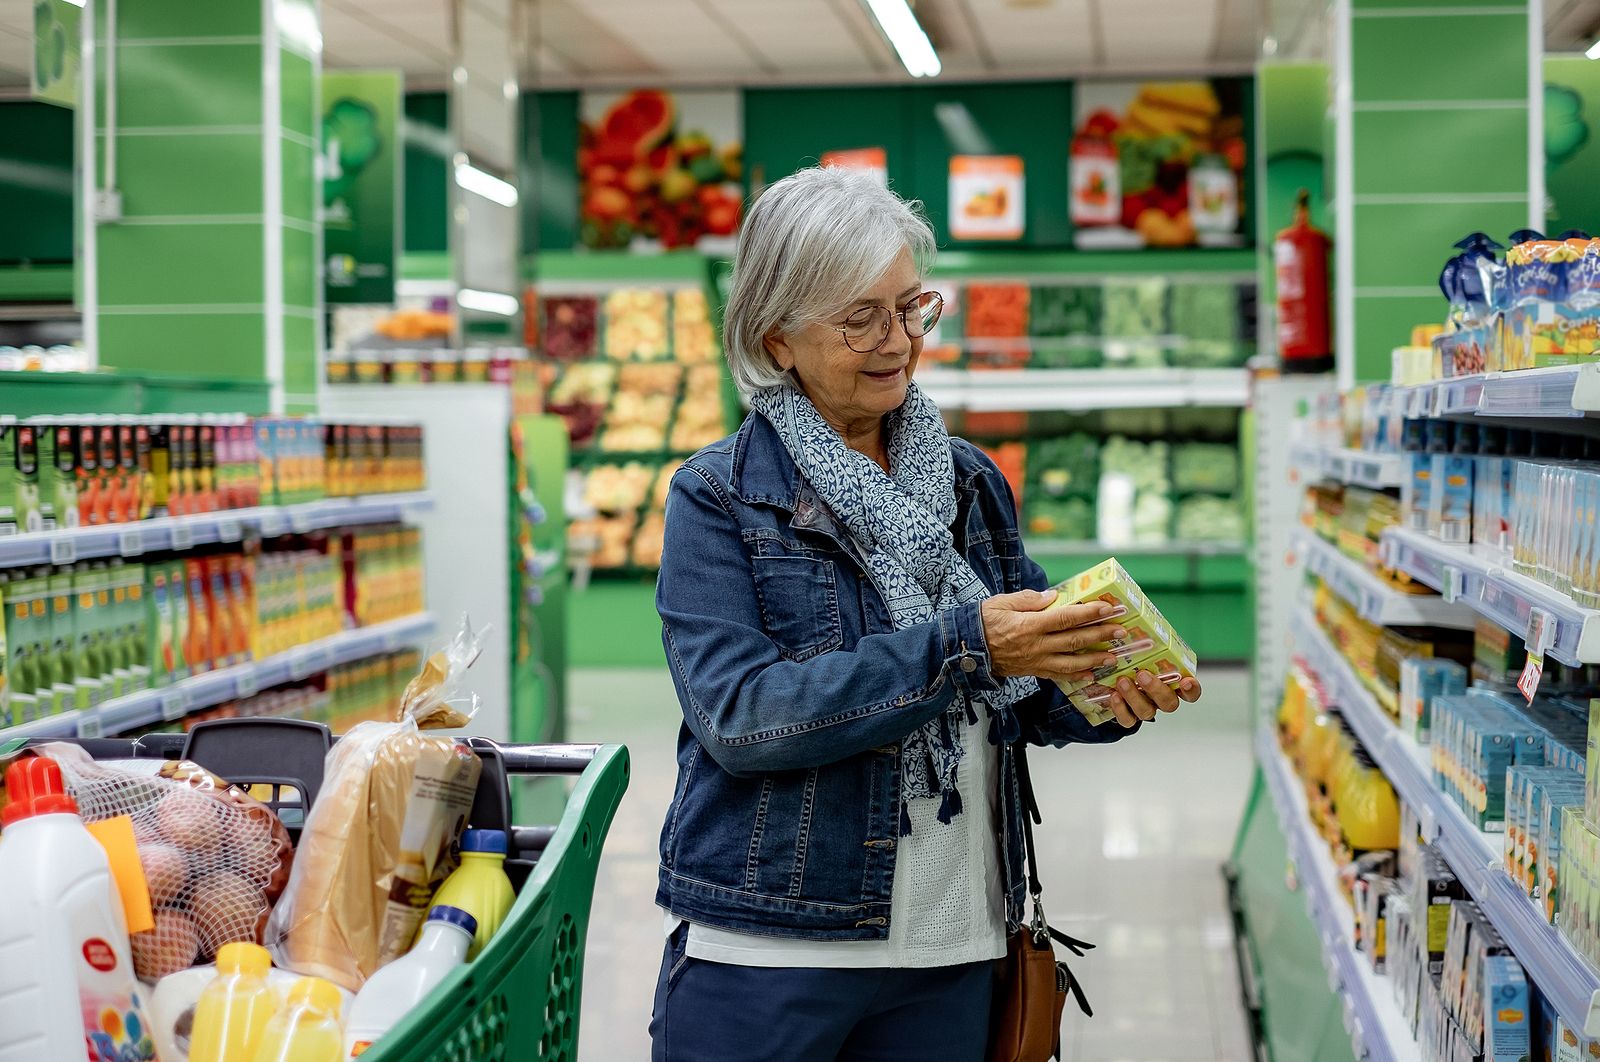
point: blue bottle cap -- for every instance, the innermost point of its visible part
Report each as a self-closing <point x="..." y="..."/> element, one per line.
<point x="454" y="916"/>
<point x="484" y="841"/>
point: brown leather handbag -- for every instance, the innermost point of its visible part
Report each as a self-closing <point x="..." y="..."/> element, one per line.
<point x="1031" y="985"/>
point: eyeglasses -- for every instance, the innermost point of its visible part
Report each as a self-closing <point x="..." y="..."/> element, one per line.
<point x="868" y="328"/>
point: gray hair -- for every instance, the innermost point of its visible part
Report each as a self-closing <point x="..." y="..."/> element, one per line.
<point x="811" y="244"/>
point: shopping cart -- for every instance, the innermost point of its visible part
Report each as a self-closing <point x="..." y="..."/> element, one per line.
<point x="519" y="999"/>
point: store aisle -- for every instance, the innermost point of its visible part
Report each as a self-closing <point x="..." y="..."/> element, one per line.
<point x="1134" y="836"/>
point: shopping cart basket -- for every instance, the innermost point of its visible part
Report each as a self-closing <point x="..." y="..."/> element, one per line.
<point x="519" y="999"/>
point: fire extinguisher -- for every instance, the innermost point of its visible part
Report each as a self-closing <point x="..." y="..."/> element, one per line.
<point x="1300" y="260"/>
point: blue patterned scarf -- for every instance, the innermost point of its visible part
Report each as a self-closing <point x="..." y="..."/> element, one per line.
<point x="902" y="522"/>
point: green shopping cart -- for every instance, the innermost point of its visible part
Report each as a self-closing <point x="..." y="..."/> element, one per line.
<point x="520" y="998"/>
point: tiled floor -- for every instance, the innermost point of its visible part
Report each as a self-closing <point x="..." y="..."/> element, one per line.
<point x="1133" y="840"/>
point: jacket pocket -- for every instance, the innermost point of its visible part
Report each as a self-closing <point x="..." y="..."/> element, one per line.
<point x="799" y="599"/>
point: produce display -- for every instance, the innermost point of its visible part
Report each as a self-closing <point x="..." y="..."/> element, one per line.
<point x="148" y="869"/>
<point x="694" y="339"/>
<point x="79" y="636"/>
<point x="636" y="325"/>
<point x="571" y="327"/>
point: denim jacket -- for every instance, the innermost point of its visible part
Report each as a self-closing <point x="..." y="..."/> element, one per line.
<point x="796" y="691"/>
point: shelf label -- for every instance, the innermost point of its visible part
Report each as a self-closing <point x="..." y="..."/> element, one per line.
<point x="182" y="536"/>
<point x="272" y="523"/>
<point x="246" y="684"/>
<point x="1532" y="672"/>
<point x="90" y="726"/>
<point x="1452" y="581"/>
<point x="228" y="530"/>
<point x="174" y="705"/>
<point x="63" y="550"/>
<point x="391" y="641"/>
<point x="130" y="543"/>
<point x="300" y="520"/>
<point x="1541" y="632"/>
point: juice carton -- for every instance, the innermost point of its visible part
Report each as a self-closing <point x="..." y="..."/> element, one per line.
<point x="1421" y="680"/>
<point x="23" y="592"/>
<point x="219" y="616"/>
<point x="25" y="478"/>
<point x="92" y="499"/>
<point x="206" y="465"/>
<point x="163" y="470"/>
<point x="85" y="658"/>
<point x="10" y="507"/>
<point x="138" y="627"/>
<point x="143" y="469"/>
<point x="197" y="635"/>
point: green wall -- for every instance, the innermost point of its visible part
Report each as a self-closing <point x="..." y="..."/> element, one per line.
<point x="35" y="183"/>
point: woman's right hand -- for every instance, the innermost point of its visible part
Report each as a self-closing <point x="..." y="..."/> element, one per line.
<point x="1027" y="637"/>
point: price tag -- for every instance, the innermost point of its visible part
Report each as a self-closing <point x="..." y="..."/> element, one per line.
<point x="228" y="530"/>
<point x="391" y="641"/>
<point x="246" y="684"/>
<point x="309" y="663"/>
<point x="1532" y="672"/>
<point x="1453" y="581"/>
<point x="63" y="550"/>
<point x="174" y="705"/>
<point x="1541" y="631"/>
<point x="300" y="520"/>
<point x="90" y="726"/>
<point x="131" y="542"/>
<point x="272" y="523"/>
<point x="182" y="536"/>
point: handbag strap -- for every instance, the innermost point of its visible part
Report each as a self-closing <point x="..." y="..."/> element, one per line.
<point x="1039" y="927"/>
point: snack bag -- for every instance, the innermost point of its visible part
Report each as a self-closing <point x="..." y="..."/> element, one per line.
<point x="381" y="837"/>
<point x="214" y="858"/>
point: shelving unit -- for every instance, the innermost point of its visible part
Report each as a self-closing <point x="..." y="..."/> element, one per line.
<point x="1565" y="391"/>
<point x="1371" y="1016"/>
<point x="1356" y="468"/>
<point x="1571" y="983"/>
<point x="171" y="703"/>
<point x="1037" y="390"/>
<point x="1374" y="599"/>
<point x="1476" y="576"/>
<point x="67" y="545"/>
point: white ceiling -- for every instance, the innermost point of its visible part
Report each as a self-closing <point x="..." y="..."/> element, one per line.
<point x="618" y="42"/>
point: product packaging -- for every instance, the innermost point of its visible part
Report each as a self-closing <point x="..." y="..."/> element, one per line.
<point x="1421" y="680"/>
<point x="380" y="839"/>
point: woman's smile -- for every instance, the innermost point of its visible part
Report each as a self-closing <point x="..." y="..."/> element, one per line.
<point x="886" y="376"/>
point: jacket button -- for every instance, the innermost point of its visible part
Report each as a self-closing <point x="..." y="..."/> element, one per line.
<point x="968" y="664"/>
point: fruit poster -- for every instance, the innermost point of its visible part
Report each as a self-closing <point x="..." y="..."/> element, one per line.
<point x="1159" y="163"/>
<point x="361" y="190"/>
<point x="986" y="197"/>
<point x="1571" y="148"/>
<point x="660" y="168"/>
<point x="872" y="160"/>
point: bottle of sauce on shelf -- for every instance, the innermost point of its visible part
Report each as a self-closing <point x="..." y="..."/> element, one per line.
<point x="1300" y="263"/>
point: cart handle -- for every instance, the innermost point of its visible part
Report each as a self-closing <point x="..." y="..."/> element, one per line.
<point x="542" y="758"/>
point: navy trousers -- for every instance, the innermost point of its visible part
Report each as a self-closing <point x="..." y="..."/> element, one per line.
<point x="713" y="1012"/>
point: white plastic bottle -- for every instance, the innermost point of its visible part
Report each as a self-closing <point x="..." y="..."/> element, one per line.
<point x="391" y="992"/>
<point x="66" y="971"/>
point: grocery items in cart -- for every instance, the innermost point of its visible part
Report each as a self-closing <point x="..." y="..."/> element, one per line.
<point x="389" y="994"/>
<point x="479" y="886"/>
<point x="308" y="1027"/>
<point x="231" y="1015"/>
<point x="63" y="923"/>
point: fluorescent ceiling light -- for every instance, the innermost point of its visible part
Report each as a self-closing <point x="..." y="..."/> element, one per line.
<point x="487" y="185"/>
<point x="488" y="302"/>
<point x="1594" y="51"/>
<point x="905" y="33"/>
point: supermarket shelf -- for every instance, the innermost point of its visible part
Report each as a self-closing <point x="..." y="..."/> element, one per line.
<point x="1068" y="547"/>
<point x="1375" y="600"/>
<point x="1371" y="1015"/>
<point x="1004" y="390"/>
<point x="1564" y="391"/>
<point x="181" y="532"/>
<point x="1568" y="979"/>
<point x="1477" y="576"/>
<point x="1358" y="468"/>
<point x="170" y="703"/>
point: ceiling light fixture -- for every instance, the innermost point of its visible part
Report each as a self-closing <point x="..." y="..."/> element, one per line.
<point x="487" y="185"/>
<point x="488" y="302"/>
<point x="907" y="36"/>
<point x="1593" y="52"/>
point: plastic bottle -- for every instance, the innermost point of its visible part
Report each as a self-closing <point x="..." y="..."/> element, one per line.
<point x="67" y="982"/>
<point x="235" y="1007"/>
<point x="479" y="886"/>
<point x="391" y="992"/>
<point x="307" y="1028"/>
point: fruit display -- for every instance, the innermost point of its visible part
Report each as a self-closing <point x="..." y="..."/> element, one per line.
<point x="605" y="540"/>
<point x="579" y="395"/>
<point x="694" y="340"/>
<point x="636" y="422"/>
<point x="636" y="324"/>
<point x="639" y="176"/>
<point x="618" y="488"/>
<point x="700" y="420"/>
<point x="648" y="540"/>
<point x="570" y="327"/>
<point x="997" y="311"/>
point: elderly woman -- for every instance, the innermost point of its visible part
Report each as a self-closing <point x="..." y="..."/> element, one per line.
<point x="856" y="638"/>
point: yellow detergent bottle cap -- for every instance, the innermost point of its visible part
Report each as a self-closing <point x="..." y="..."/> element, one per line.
<point x="241" y="956"/>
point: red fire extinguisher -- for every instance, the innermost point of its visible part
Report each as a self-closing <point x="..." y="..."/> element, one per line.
<point x="1300" y="259"/>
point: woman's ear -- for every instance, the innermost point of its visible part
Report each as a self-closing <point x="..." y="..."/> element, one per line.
<point x="778" y="346"/>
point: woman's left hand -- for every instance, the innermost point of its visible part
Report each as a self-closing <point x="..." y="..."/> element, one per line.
<point x="1138" y="699"/>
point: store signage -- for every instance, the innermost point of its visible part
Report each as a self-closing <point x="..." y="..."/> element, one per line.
<point x="872" y="160"/>
<point x="986" y="197"/>
<point x="56" y="50"/>
<point x="361" y="175"/>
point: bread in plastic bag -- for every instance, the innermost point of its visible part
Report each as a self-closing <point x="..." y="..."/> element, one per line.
<point x="381" y="836"/>
<point x="215" y="859"/>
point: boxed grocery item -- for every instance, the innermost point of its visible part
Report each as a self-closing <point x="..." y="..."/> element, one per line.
<point x="1554" y="808"/>
<point x="1421" y="680"/>
<point x="1151" y="644"/>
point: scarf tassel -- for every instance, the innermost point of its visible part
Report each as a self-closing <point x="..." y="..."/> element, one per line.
<point x="950" y="806"/>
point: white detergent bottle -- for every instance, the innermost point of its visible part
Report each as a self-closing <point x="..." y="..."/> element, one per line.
<point x="391" y="992"/>
<point x="67" y="986"/>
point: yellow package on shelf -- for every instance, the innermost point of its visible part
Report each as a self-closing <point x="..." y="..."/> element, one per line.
<point x="1151" y="643"/>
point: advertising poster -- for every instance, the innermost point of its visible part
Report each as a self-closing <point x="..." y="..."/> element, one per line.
<point x="873" y="160"/>
<point x="986" y="197"/>
<point x="1571" y="143"/>
<point x="660" y="169"/>
<point x="56" y="50"/>
<point x="362" y="159"/>
<point x="1159" y="163"/>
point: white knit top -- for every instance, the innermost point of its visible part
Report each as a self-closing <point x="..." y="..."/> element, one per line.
<point x="948" y="902"/>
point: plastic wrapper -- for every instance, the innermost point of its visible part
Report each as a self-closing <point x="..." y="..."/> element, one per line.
<point x="214" y="858"/>
<point x="381" y="837"/>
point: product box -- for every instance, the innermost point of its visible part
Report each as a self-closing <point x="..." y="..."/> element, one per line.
<point x="10" y="500"/>
<point x="1570" y="1046"/>
<point x="1421" y="680"/>
<point x="87" y="654"/>
<point x="24" y="593"/>
<point x="1577" y="892"/>
<point x="1506" y="1023"/>
<point x="1152" y="645"/>
<point x="58" y="476"/>
<point x="1591" y="774"/>
<point x="197" y="636"/>
<point x="1450" y="497"/>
